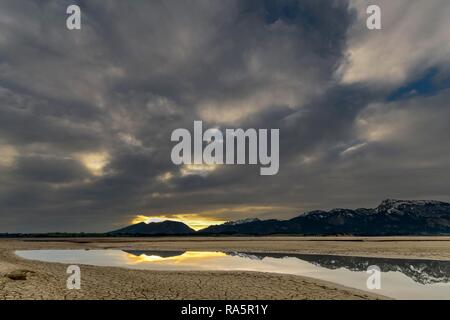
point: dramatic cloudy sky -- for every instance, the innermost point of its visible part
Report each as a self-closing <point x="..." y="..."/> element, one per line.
<point x="86" y="116"/>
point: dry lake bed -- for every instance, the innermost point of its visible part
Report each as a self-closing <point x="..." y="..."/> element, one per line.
<point x="226" y="268"/>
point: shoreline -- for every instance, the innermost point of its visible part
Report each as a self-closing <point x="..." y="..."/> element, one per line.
<point x="420" y="248"/>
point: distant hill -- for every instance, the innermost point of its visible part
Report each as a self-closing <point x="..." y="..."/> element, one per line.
<point x="391" y="217"/>
<point x="155" y="228"/>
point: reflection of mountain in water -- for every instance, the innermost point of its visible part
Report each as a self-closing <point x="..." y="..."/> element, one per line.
<point x="421" y="271"/>
<point x="162" y="254"/>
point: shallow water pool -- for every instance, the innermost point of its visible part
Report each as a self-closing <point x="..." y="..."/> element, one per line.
<point x="400" y="278"/>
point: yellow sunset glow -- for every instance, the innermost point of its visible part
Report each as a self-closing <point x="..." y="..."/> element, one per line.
<point x="197" y="169"/>
<point x="185" y="257"/>
<point x="206" y="218"/>
<point x="195" y="221"/>
<point x="94" y="162"/>
<point x="8" y="155"/>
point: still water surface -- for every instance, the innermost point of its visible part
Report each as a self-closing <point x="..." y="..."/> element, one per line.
<point x="400" y="278"/>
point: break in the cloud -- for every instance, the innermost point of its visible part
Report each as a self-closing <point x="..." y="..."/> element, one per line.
<point x="86" y="116"/>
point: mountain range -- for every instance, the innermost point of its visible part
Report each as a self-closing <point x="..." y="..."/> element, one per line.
<point x="155" y="228"/>
<point x="391" y="217"/>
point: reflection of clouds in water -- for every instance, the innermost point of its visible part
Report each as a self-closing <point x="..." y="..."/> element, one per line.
<point x="401" y="278"/>
<point x="420" y="271"/>
<point x="168" y="257"/>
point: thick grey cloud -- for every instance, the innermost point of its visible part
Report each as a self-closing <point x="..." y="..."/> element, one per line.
<point x="415" y="37"/>
<point x="86" y="116"/>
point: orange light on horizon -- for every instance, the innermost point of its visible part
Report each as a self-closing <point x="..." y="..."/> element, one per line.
<point x="193" y="220"/>
<point x="186" y="257"/>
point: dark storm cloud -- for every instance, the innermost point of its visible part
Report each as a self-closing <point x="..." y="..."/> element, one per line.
<point x="44" y="169"/>
<point x="23" y="121"/>
<point x="86" y="116"/>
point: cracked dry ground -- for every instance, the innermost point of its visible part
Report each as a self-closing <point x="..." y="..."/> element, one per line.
<point x="23" y="279"/>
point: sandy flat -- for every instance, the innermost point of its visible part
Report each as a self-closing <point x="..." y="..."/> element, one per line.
<point x="25" y="279"/>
